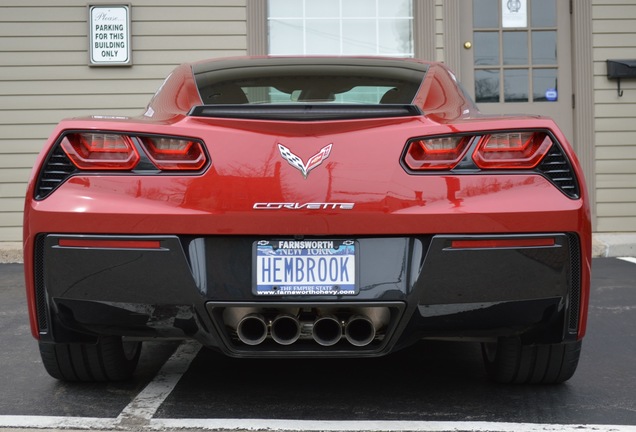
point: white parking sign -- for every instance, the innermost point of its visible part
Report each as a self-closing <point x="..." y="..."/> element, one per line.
<point x="109" y="35"/>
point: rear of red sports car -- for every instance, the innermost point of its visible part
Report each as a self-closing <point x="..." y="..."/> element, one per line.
<point x="308" y="207"/>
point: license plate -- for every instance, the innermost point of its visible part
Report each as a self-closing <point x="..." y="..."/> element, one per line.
<point x="305" y="267"/>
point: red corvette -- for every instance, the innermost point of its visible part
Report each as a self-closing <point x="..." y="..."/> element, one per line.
<point x="308" y="207"/>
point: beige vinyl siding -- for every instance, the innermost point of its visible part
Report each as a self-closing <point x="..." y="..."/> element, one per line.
<point x="614" y="37"/>
<point x="44" y="76"/>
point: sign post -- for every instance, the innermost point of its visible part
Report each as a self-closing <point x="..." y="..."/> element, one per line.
<point x="109" y="35"/>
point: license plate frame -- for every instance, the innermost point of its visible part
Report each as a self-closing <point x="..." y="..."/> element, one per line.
<point x="305" y="267"/>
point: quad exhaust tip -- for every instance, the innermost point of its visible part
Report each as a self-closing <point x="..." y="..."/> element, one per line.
<point x="359" y="326"/>
<point x="252" y="329"/>
<point x="285" y="329"/>
<point x="327" y="330"/>
<point x="360" y="330"/>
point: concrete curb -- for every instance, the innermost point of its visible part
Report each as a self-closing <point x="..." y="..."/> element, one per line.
<point x="10" y="252"/>
<point x="603" y="245"/>
<point x="614" y="245"/>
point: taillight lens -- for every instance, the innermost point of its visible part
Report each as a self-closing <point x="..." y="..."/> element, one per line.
<point x="100" y="151"/>
<point x="438" y="153"/>
<point x="174" y="154"/>
<point x="511" y="150"/>
<point x="501" y="150"/>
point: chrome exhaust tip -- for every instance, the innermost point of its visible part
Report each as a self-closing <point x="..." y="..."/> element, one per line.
<point x="252" y="329"/>
<point x="362" y="327"/>
<point x="327" y="330"/>
<point x="359" y="330"/>
<point x="285" y="329"/>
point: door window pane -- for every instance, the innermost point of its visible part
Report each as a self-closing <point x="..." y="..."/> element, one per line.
<point x="485" y="14"/>
<point x="515" y="48"/>
<point x="516" y="85"/>
<point x="544" y="13"/>
<point x="544" y="47"/>
<point x="544" y="85"/>
<point x="487" y="85"/>
<point x="486" y="46"/>
<point x="515" y="63"/>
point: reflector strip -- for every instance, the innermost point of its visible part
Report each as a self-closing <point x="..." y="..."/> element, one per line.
<point x="110" y="244"/>
<point x="502" y="243"/>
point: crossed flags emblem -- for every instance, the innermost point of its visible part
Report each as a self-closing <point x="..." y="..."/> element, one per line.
<point x="298" y="163"/>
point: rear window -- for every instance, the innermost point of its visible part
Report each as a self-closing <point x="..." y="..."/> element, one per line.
<point x="362" y="94"/>
<point x="303" y="84"/>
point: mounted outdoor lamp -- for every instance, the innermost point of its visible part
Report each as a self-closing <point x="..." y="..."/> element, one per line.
<point x="617" y="69"/>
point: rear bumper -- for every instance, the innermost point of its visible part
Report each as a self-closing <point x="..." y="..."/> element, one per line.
<point x="427" y="287"/>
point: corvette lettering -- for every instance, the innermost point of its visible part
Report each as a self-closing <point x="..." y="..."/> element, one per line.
<point x="303" y="206"/>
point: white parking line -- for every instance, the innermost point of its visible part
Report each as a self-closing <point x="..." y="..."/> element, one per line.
<point x="139" y="413"/>
<point x="144" y="406"/>
<point x="52" y="422"/>
<point x="375" y="426"/>
<point x="628" y="259"/>
<point x="90" y="423"/>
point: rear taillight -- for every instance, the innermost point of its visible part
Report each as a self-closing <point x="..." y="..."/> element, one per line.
<point x="439" y="153"/>
<point x="501" y="150"/>
<point x="96" y="151"/>
<point x="174" y="154"/>
<point x="511" y="150"/>
<point x="100" y="151"/>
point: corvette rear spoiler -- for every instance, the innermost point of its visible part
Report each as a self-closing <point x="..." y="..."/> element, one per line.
<point x="305" y="112"/>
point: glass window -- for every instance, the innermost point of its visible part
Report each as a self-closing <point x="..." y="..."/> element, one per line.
<point x="321" y="36"/>
<point x="515" y="48"/>
<point x="394" y="8"/>
<point x="544" y="13"/>
<point x="395" y="36"/>
<point x="286" y="35"/>
<point x="363" y="95"/>
<point x="337" y="27"/>
<point x="486" y="45"/>
<point x="516" y="85"/>
<point x="515" y="64"/>
<point x="320" y="81"/>
<point x="355" y="8"/>
<point x="322" y="9"/>
<point x="544" y="47"/>
<point x="359" y="37"/>
<point x="544" y="85"/>
<point x="487" y="85"/>
<point x="285" y="8"/>
<point x="485" y="14"/>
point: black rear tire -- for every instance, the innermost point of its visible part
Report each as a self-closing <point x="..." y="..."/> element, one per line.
<point x="508" y="361"/>
<point x="110" y="359"/>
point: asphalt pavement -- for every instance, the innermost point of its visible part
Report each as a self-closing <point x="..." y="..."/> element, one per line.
<point x="432" y="386"/>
